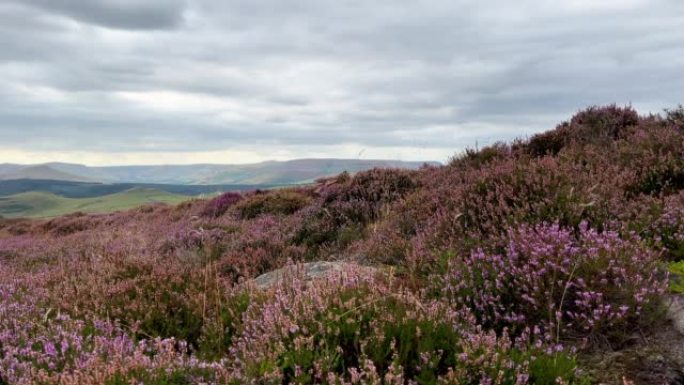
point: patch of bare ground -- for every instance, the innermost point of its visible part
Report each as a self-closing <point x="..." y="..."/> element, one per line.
<point x="656" y="359"/>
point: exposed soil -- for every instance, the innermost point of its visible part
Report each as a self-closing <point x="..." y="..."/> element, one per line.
<point x="657" y="359"/>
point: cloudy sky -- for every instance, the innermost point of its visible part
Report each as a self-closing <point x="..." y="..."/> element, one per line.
<point x="234" y="81"/>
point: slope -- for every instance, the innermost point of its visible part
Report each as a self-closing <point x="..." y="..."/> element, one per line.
<point x="40" y="204"/>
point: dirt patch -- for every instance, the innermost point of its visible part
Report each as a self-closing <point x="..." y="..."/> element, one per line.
<point x="655" y="360"/>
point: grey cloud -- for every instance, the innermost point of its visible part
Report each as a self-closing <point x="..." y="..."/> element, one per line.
<point x="121" y="14"/>
<point x="432" y="73"/>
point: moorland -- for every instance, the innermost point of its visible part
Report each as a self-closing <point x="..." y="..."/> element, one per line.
<point x="547" y="260"/>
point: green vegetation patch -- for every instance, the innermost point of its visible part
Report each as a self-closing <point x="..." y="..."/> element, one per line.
<point x="37" y="204"/>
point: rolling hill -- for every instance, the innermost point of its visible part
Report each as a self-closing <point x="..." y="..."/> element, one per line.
<point x="70" y="189"/>
<point x="267" y="173"/>
<point x="44" y="172"/>
<point x="35" y="204"/>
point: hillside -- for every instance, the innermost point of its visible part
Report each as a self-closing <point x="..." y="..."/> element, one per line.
<point x="266" y="173"/>
<point x="69" y="189"/>
<point x="41" y="204"/>
<point x="43" y="172"/>
<point x="542" y="261"/>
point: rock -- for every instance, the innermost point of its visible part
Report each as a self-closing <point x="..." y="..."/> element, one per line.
<point x="308" y="271"/>
<point x="675" y="312"/>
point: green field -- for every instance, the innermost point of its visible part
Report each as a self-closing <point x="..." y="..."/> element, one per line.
<point x="36" y="204"/>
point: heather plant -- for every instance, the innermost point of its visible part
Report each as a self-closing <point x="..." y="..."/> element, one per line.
<point x="603" y="123"/>
<point x="186" y="302"/>
<point x="71" y="223"/>
<point x="587" y="285"/>
<point x="666" y="176"/>
<point x="675" y="117"/>
<point x="476" y="158"/>
<point x="659" y="221"/>
<point x="351" y="328"/>
<point x="42" y="345"/>
<point x="348" y="205"/>
<point x="487" y="203"/>
<point x="262" y="244"/>
<point x="497" y="258"/>
<point x="219" y="205"/>
<point x="668" y="230"/>
<point x="594" y="125"/>
<point x="277" y="202"/>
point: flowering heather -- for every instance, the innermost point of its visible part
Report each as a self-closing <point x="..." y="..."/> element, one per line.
<point x="219" y="205"/>
<point x="45" y="346"/>
<point x="668" y="230"/>
<point x="572" y="285"/>
<point x="352" y="329"/>
<point x="503" y="267"/>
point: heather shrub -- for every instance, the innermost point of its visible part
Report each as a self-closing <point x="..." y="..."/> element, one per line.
<point x="664" y="177"/>
<point x="224" y="322"/>
<point x="377" y="186"/>
<point x="474" y="158"/>
<point x="594" y="125"/>
<point x="352" y="328"/>
<point x="150" y="300"/>
<point x="675" y="117"/>
<point x="348" y="205"/>
<point x="668" y="230"/>
<point x="72" y="223"/>
<point x="548" y="143"/>
<point x="278" y="202"/>
<point x="590" y="285"/>
<point x="263" y="244"/>
<point x="602" y="124"/>
<point x="153" y="301"/>
<point x="656" y="157"/>
<point x="660" y="222"/>
<point x="475" y="214"/>
<point x="219" y="205"/>
<point x="40" y="345"/>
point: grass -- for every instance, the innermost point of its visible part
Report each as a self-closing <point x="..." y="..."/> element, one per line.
<point x="37" y="204"/>
<point x="677" y="277"/>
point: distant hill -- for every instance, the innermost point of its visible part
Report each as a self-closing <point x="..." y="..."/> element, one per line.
<point x="41" y="204"/>
<point x="42" y="171"/>
<point x="70" y="189"/>
<point x="264" y="173"/>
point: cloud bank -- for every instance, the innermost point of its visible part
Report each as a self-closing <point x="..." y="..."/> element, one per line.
<point x="184" y="81"/>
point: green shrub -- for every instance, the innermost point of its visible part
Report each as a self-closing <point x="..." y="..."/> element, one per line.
<point x="676" y="277"/>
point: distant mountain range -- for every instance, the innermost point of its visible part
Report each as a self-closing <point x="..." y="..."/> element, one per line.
<point x="265" y="173"/>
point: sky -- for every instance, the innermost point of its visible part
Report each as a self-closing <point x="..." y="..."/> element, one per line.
<point x="106" y="82"/>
